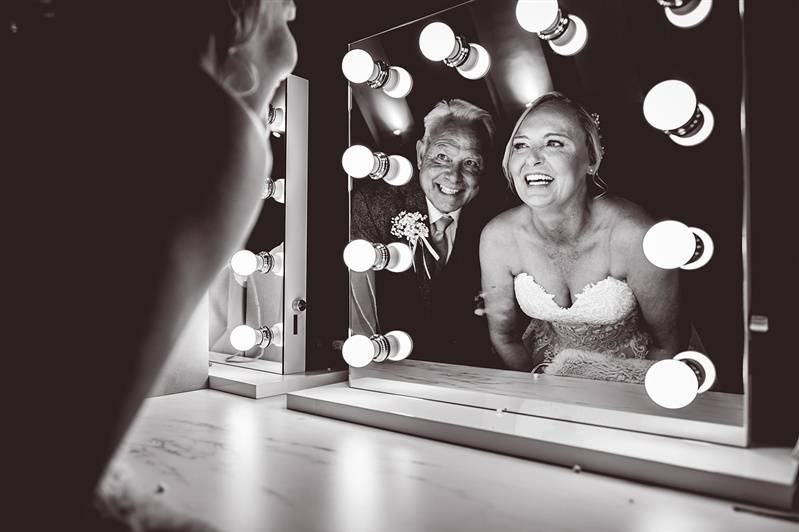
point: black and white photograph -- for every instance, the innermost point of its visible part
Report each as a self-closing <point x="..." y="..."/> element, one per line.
<point x="360" y="265"/>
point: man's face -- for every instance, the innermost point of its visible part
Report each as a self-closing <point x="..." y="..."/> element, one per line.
<point x="451" y="163"/>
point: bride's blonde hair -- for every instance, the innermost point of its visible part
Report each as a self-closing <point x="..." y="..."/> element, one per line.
<point x="588" y="122"/>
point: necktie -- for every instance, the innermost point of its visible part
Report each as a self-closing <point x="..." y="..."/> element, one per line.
<point x="439" y="240"/>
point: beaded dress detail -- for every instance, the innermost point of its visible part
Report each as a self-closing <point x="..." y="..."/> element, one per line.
<point x="604" y="317"/>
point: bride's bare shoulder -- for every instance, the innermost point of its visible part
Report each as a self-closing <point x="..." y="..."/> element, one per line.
<point x="628" y="222"/>
<point x="503" y="225"/>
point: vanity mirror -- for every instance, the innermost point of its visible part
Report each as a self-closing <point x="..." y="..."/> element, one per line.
<point x="666" y="83"/>
<point x="258" y="300"/>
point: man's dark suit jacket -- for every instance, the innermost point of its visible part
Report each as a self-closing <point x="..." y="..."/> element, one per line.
<point x="438" y="313"/>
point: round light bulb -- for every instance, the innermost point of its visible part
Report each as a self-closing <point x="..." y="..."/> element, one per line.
<point x="669" y="104"/>
<point x="358" y="161"/>
<point x="400" y="345"/>
<point x="707" y="250"/>
<point x="400" y="170"/>
<point x="359" y="255"/>
<point x="671" y="383"/>
<point x="574" y="40"/>
<point x="707" y="366"/>
<point x="277" y="335"/>
<point x="279" y="194"/>
<point x="399" y="82"/>
<point x="400" y="257"/>
<point x="244" y="338"/>
<point x="244" y="262"/>
<point x="669" y="244"/>
<point x="437" y="41"/>
<point x="278" y="263"/>
<point x="478" y="64"/>
<point x="278" y="124"/>
<point x="358" y="351"/>
<point x="536" y="15"/>
<point x="691" y="18"/>
<point x="357" y="66"/>
<point x="704" y="131"/>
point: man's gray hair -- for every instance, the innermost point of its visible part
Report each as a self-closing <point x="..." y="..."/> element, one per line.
<point x="459" y="110"/>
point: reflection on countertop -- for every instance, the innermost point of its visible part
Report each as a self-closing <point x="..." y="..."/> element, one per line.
<point x="241" y="464"/>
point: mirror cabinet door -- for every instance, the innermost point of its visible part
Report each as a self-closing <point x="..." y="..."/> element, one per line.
<point x="250" y="297"/>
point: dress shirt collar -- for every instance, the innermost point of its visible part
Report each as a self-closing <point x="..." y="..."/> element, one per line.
<point x="434" y="214"/>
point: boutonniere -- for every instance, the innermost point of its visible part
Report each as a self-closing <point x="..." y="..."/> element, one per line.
<point x="412" y="226"/>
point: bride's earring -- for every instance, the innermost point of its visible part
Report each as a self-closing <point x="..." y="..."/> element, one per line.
<point x="232" y="78"/>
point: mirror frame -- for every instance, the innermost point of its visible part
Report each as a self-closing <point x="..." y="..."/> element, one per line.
<point x="707" y="419"/>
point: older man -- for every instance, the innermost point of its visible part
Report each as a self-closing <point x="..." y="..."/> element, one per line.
<point x="435" y="301"/>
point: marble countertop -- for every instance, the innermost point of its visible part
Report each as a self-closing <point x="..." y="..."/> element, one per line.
<point x="242" y="464"/>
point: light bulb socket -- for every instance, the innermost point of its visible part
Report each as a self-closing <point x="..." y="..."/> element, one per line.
<point x="382" y="347"/>
<point x="698" y="250"/>
<point x="460" y="55"/>
<point x="693" y="125"/>
<point x="380" y="168"/>
<point x="382" y="256"/>
<point x="269" y="188"/>
<point x="558" y="28"/>
<point x="266" y="336"/>
<point x="697" y="368"/>
<point x="379" y="75"/>
<point x="266" y="262"/>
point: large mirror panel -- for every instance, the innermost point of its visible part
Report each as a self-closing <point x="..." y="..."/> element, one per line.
<point x="575" y="279"/>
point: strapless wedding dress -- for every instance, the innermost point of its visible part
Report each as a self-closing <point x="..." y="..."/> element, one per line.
<point x="604" y="318"/>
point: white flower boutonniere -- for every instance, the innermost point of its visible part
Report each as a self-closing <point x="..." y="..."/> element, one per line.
<point x="412" y="226"/>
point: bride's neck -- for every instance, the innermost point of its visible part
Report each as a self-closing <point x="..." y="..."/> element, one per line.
<point x="562" y="224"/>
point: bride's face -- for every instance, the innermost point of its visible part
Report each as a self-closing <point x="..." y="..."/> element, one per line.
<point x="549" y="157"/>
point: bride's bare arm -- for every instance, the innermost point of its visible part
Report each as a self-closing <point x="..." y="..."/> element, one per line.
<point x="657" y="290"/>
<point x="504" y="316"/>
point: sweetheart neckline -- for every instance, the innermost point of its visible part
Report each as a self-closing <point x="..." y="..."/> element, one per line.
<point x="576" y="296"/>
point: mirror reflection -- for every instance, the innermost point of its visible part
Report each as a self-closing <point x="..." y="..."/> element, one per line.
<point x="559" y="191"/>
<point x="247" y="296"/>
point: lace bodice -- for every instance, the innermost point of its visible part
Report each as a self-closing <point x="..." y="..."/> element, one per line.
<point x="604" y="317"/>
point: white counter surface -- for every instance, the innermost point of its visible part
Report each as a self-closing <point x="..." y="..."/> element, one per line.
<point x="243" y="464"/>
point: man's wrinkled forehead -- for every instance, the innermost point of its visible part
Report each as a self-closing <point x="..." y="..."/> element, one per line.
<point x="459" y="133"/>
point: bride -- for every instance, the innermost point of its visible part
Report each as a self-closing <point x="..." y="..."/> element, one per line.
<point x="572" y="263"/>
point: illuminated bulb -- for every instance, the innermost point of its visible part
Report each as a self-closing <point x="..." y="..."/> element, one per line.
<point x="675" y="383"/>
<point x="671" y="244"/>
<point x="357" y="66"/>
<point x="400" y="171"/>
<point x="537" y="15"/>
<point x="359" y="161"/>
<point x="567" y="34"/>
<point x="360" y="350"/>
<point x="275" y="189"/>
<point x="574" y="38"/>
<point x="244" y="337"/>
<point x="686" y="13"/>
<point x="400" y="257"/>
<point x="245" y="263"/>
<point x="437" y="41"/>
<point x="672" y="107"/>
<point x="477" y="64"/>
<point x="362" y="255"/>
<point x="399" y="82"/>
